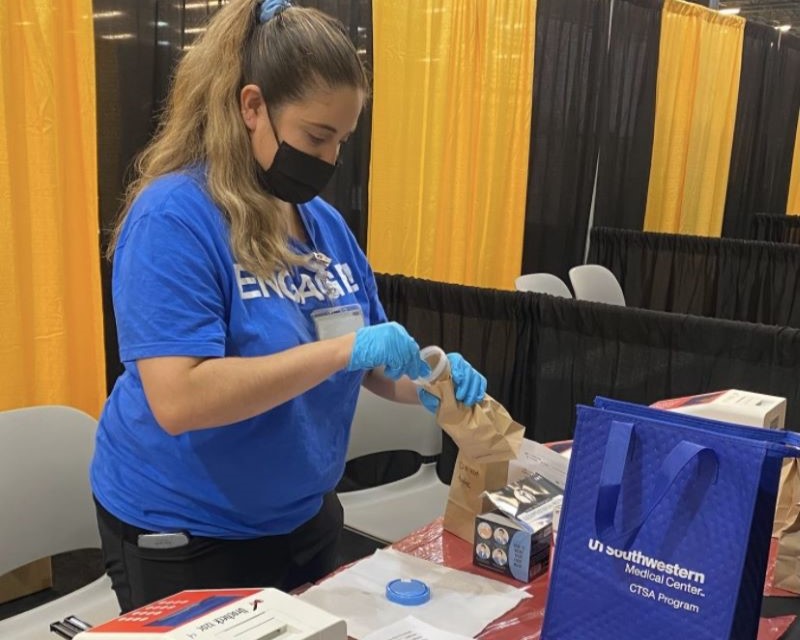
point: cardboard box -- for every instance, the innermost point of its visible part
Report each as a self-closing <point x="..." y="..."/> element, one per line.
<point x="514" y="538"/>
<point x="732" y="405"/>
<point x="31" y="578"/>
<point x="223" y="614"/>
<point x="504" y="546"/>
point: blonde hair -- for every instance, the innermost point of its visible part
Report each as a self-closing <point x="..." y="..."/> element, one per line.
<point x="288" y="56"/>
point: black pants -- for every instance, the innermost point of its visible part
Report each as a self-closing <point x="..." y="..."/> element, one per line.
<point x="140" y="576"/>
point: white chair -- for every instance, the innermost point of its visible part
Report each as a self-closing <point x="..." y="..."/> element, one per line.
<point x="595" y="283"/>
<point x="48" y="509"/>
<point x="391" y="511"/>
<point x="543" y="283"/>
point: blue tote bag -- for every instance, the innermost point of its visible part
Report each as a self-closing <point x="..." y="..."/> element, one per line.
<point x="665" y="527"/>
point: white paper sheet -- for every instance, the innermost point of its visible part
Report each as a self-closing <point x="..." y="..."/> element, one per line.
<point x="534" y="457"/>
<point x="460" y="602"/>
<point x="411" y="628"/>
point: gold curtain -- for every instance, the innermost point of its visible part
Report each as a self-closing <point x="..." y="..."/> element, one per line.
<point x="450" y="138"/>
<point x="697" y="91"/>
<point x="51" y="322"/>
<point x="793" y="204"/>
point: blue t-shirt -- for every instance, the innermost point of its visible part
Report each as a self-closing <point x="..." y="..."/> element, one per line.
<point x="178" y="291"/>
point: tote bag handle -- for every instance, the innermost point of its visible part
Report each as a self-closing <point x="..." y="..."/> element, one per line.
<point x="620" y="439"/>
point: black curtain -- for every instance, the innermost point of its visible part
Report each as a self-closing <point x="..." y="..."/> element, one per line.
<point x="137" y="45"/>
<point x="764" y="133"/>
<point x="628" y="114"/>
<point x="776" y="227"/>
<point x="543" y="355"/>
<point x="725" y="278"/>
<point x="570" y="55"/>
<point x="783" y="124"/>
<point x="349" y="188"/>
<point x="748" y="155"/>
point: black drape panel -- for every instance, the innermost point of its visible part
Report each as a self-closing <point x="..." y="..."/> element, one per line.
<point x="783" y="124"/>
<point x="766" y="121"/>
<point x="746" y="179"/>
<point x="775" y="227"/>
<point x="543" y="355"/>
<point x="628" y="109"/>
<point x="571" y="43"/>
<point x="137" y="46"/>
<point x="717" y="277"/>
<point x="348" y="189"/>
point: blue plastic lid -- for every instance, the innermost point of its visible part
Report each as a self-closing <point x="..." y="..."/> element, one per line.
<point x="408" y="592"/>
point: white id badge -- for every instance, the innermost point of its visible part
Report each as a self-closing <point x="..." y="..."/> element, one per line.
<point x="337" y="321"/>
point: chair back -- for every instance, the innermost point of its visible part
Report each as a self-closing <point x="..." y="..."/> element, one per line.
<point x="595" y="283"/>
<point x="44" y="484"/>
<point x="383" y="425"/>
<point x="543" y="283"/>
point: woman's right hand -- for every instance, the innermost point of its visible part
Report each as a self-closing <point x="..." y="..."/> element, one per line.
<point x="388" y="345"/>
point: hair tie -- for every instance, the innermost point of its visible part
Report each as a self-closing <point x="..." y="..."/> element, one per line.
<point x="271" y="8"/>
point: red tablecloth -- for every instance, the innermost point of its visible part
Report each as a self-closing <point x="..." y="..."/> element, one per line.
<point x="525" y="621"/>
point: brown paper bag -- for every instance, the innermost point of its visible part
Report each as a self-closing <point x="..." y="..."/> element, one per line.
<point x="484" y="432"/>
<point x="786" y="527"/>
<point x="465" y="499"/>
<point x="787" y="507"/>
<point x="487" y="439"/>
<point x="787" y="561"/>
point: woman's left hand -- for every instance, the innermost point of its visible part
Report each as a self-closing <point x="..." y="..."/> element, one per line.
<point x="469" y="385"/>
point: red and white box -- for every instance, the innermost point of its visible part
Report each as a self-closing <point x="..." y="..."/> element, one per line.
<point x="223" y="614"/>
<point x="732" y="405"/>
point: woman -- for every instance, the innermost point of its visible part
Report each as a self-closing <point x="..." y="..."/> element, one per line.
<point x="247" y="319"/>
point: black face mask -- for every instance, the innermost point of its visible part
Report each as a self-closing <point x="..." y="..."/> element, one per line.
<point x="294" y="176"/>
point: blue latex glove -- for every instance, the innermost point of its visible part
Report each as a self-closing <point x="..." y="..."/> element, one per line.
<point x="468" y="384"/>
<point x="388" y="345"/>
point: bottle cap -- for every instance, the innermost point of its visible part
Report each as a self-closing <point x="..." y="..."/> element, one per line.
<point x="408" y="592"/>
<point x="439" y="365"/>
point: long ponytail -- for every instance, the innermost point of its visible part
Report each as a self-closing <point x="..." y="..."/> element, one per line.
<point x="287" y="56"/>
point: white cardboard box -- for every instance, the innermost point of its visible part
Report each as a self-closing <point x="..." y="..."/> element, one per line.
<point x="223" y="614"/>
<point x="732" y="405"/>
